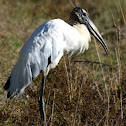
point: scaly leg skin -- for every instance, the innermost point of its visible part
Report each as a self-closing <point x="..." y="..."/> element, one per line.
<point x="41" y="101"/>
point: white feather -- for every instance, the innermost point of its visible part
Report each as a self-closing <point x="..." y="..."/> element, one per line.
<point x="52" y="38"/>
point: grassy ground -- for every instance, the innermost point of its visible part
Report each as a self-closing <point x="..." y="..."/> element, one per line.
<point x="89" y="89"/>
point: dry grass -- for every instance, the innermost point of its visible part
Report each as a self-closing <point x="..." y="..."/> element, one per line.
<point x="91" y="92"/>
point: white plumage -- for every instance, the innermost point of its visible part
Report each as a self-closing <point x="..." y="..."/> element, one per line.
<point x="46" y="46"/>
<point x="52" y="38"/>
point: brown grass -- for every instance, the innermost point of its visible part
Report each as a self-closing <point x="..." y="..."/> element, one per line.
<point x="91" y="92"/>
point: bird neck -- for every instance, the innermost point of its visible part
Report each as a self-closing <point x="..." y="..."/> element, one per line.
<point x="85" y="35"/>
<point x="83" y="31"/>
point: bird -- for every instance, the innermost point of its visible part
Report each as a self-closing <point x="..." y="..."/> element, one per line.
<point x="46" y="46"/>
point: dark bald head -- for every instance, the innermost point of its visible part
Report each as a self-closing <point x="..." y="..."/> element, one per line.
<point x="77" y="16"/>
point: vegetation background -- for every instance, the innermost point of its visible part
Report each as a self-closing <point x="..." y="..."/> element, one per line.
<point x="89" y="89"/>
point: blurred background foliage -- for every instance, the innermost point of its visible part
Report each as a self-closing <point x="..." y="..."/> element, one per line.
<point x="90" y="91"/>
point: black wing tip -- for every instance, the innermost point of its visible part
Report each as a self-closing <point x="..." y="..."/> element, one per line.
<point x="8" y="95"/>
<point x="7" y="85"/>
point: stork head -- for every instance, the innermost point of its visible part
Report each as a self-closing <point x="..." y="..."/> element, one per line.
<point x="80" y="16"/>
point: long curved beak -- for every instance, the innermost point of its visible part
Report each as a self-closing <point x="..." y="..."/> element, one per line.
<point x="94" y="31"/>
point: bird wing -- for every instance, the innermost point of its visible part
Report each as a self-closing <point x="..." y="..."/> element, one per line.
<point x="33" y="57"/>
<point x="49" y="40"/>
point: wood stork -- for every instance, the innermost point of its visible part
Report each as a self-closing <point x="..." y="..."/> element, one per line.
<point x="46" y="46"/>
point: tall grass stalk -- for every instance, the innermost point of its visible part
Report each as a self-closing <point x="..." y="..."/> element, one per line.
<point x="119" y="82"/>
<point x="122" y="12"/>
<point x="79" y="95"/>
<point x="68" y="79"/>
<point x="106" y="87"/>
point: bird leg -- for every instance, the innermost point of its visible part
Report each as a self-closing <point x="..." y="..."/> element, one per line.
<point x="41" y="101"/>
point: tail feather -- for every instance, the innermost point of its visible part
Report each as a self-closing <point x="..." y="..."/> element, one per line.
<point x="9" y="95"/>
<point x="20" y="78"/>
<point x="23" y="73"/>
<point x="7" y="85"/>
